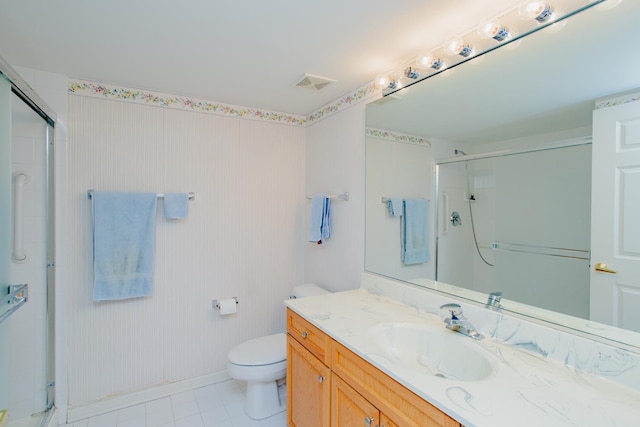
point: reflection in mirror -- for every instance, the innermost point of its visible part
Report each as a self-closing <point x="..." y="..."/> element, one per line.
<point x="524" y="116"/>
<point x="522" y="232"/>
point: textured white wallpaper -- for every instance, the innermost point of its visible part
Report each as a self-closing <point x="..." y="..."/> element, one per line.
<point x="243" y="238"/>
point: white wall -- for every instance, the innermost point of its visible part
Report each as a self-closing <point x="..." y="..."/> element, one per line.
<point x="334" y="164"/>
<point x="242" y="238"/>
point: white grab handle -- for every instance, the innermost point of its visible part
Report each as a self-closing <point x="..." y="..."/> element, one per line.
<point x="445" y="210"/>
<point x="18" y="255"/>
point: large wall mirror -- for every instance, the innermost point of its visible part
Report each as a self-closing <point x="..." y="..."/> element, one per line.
<point x="500" y="146"/>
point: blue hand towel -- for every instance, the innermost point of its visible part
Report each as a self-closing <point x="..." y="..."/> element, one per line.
<point x="415" y="242"/>
<point x="176" y="205"/>
<point x="124" y="237"/>
<point x="395" y="206"/>
<point x="320" y="218"/>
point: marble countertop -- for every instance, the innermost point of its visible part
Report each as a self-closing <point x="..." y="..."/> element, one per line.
<point x="525" y="388"/>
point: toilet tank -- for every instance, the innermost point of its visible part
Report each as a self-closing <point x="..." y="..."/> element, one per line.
<point x="308" y="290"/>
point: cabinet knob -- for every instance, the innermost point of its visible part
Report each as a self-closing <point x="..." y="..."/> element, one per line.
<point x="305" y="334"/>
<point x="368" y="421"/>
<point x="320" y="379"/>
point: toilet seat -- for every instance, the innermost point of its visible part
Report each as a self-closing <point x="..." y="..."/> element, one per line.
<point x="261" y="351"/>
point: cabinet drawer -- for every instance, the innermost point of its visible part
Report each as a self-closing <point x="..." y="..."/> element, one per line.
<point x="399" y="404"/>
<point x="312" y="338"/>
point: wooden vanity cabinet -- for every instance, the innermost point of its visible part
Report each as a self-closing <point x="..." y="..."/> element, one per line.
<point x="330" y="386"/>
<point x="397" y="405"/>
<point x="308" y="376"/>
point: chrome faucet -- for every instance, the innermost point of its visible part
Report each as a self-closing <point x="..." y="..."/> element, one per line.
<point x="458" y="323"/>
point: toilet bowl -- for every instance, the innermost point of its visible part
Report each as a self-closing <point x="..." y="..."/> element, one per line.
<point x="262" y="362"/>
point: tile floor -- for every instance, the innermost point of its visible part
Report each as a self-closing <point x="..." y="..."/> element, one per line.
<point x="219" y="405"/>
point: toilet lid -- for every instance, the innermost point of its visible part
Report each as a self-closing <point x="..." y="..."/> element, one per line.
<point x="260" y="351"/>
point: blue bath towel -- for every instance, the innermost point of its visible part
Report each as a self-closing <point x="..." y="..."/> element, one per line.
<point x="320" y="218"/>
<point x="395" y="206"/>
<point x="415" y="241"/>
<point x="176" y="205"/>
<point x="124" y="235"/>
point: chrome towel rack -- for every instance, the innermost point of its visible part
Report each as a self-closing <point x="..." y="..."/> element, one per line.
<point x="344" y="196"/>
<point x="192" y="195"/>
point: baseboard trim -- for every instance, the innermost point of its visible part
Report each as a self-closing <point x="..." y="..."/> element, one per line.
<point x="131" y="399"/>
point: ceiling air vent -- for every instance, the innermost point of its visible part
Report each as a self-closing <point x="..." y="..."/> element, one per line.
<point x="309" y="81"/>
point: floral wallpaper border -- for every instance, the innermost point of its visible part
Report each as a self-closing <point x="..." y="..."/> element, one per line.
<point x="397" y="137"/>
<point x="617" y="101"/>
<point x="88" y="88"/>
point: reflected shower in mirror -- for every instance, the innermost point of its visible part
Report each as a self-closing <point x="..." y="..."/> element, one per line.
<point x="521" y="120"/>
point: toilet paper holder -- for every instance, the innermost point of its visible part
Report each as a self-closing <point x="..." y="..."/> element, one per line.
<point x="216" y="305"/>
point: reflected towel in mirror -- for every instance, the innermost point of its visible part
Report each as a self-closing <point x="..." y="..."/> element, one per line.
<point x="415" y="238"/>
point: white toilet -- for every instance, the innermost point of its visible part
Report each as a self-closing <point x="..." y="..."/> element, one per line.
<point x="262" y="362"/>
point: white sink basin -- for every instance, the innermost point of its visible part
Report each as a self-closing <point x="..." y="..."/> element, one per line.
<point x="439" y="352"/>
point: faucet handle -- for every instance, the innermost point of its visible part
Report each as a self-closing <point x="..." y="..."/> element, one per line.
<point x="454" y="309"/>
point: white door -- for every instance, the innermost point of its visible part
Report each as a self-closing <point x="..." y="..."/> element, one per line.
<point x="615" y="216"/>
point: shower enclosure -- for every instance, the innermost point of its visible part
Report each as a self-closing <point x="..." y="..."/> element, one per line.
<point x="518" y="222"/>
<point x="26" y="254"/>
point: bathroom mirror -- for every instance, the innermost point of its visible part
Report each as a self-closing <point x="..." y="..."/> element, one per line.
<point x="537" y="93"/>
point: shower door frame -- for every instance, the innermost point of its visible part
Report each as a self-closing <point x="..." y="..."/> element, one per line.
<point x="27" y="95"/>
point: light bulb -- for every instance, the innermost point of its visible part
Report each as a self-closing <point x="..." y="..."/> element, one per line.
<point x="458" y="47"/>
<point x="423" y="61"/>
<point x="411" y="73"/>
<point x="426" y="60"/>
<point x="539" y="10"/>
<point x="494" y="30"/>
<point x="382" y="81"/>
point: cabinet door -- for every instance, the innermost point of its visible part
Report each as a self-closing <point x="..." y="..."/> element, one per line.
<point x="348" y="408"/>
<point x="308" y="388"/>
<point x="387" y="422"/>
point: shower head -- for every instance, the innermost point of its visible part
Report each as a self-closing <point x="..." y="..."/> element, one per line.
<point x="459" y="152"/>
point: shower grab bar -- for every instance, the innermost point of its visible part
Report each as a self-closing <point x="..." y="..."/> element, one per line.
<point x="192" y="195"/>
<point x="542" y="250"/>
<point x="18" y="295"/>
<point x="18" y="254"/>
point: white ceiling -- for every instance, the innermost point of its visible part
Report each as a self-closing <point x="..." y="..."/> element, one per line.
<point x="249" y="53"/>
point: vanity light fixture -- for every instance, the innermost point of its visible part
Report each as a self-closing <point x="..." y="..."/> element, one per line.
<point x="459" y="47"/>
<point x="524" y="18"/>
<point x="539" y="10"/>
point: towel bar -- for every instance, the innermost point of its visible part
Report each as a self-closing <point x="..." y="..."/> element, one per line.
<point x="344" y="196"/>
<point x="192" y="195"/>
